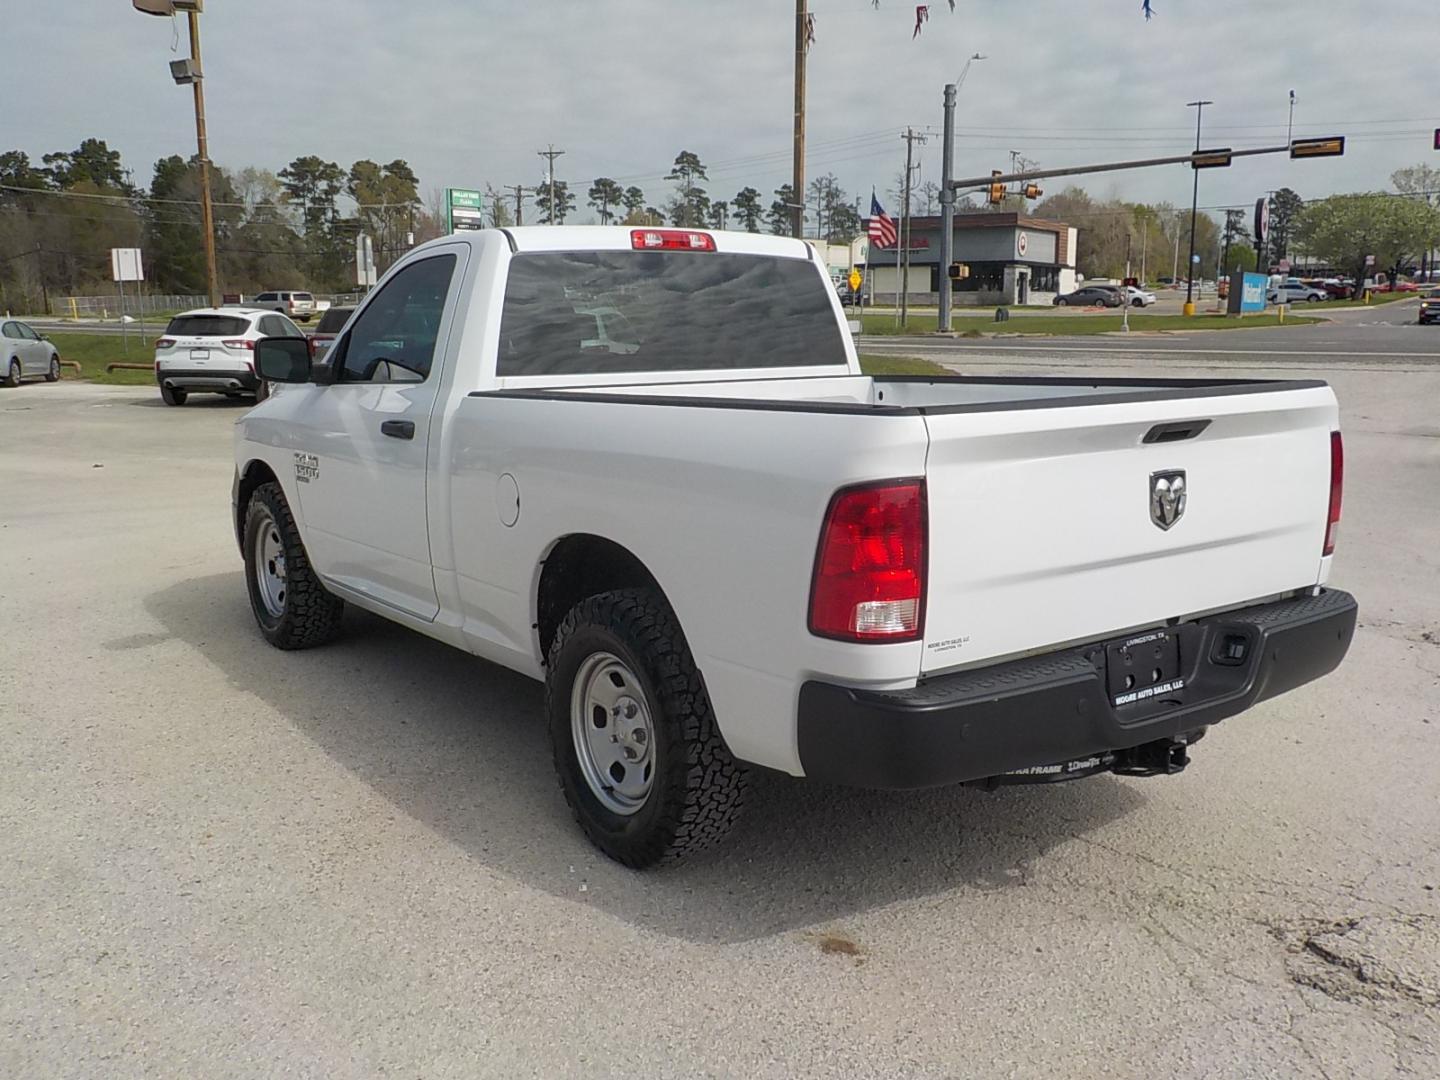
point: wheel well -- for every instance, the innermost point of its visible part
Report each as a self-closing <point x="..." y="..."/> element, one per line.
<point x="255" y="474"/>
<point x="579" y="566"/>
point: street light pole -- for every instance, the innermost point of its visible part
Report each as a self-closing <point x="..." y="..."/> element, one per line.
<point x="1199" y="107"/>
<point x="797" y="178"/>
<point x="207" y="207"/>
<point x="947" y="197"/>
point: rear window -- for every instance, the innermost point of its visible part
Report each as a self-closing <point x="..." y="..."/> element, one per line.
<point x="598" y="312"/>
<point x="207" y="326"/>
<point x="301" y="296"/>
<point x="333" y="320"/>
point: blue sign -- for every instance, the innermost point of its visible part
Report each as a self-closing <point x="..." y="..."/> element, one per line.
<point x="1252" y="292"/>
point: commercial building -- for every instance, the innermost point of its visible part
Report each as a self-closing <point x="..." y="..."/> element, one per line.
<point x="1010" y="258"/>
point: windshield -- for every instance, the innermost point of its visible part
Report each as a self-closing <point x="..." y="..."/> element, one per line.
<point x="207" y="326"/>
<point x="333" y="320"/>
<point x="593" y="312"/>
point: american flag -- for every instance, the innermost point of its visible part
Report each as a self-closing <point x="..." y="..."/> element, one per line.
<point x="881" y="228"/>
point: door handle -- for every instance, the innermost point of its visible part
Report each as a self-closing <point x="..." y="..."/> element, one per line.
<point x="398" y="429"/>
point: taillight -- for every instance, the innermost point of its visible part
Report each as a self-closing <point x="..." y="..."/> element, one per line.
<point x="1337" y="485"/>
<point x="869" y="582"/>
<point x="670" y="240"/>
<point x="164" y="342"/>
<point x="239" y="343"/>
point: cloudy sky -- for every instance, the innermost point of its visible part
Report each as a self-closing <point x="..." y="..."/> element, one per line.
<point x="468" y="90"/>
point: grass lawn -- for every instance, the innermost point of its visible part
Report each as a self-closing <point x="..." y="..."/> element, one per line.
<point x="94" y="351"/>
<point x="1375" y="298"/>
<point x="1087" y="324"/>
<point x="900" y="365"/>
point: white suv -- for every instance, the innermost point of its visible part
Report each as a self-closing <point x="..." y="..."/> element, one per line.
<point x="212" y="350"/>
<point x="297" y="305"/>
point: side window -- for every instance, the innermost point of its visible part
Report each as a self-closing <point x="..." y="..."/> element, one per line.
<point x="393" y="340"/>
<point x="286" y="328"/>
<point x="266" y="326"/>
<point x="28" y="331"/>
<point x="266" y="298"/>
<point x="8" y="330"/>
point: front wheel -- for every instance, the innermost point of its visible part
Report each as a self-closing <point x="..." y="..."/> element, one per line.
<point x="639" y="756"/>
<point x="294" y="610"/>
<point x="53" y="373"/>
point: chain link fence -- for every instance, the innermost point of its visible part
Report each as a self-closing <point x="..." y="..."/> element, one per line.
<point x="108" y="307"/>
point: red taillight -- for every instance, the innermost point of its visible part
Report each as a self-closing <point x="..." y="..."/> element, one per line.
<point x="670" y="240"/>
<point x="869" y="580"/>
<point x="164" y="342"/>
<point x="239" y="343"/>
<point x="1337" y="485"/>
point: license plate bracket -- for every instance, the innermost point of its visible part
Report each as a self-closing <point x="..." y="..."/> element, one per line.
<point x="1143" y="667"/>
<point x="199" y="354"/>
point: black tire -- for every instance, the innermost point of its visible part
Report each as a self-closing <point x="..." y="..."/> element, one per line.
<point x="697" y="787"/>
<point x="173" y="395"/>
<point x="52" y="373"/>
<point x="12" y="375"/>
<point x="310" y="615"/>
<point x="1061" y="302"/>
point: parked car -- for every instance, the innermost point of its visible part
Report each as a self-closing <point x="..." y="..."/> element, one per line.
<point x="330" y="324"/>
<point x="1338" y="288"/>
<point x="296" y="305"/>
<point x="1090" y="296"/>
<point x="25" y="354"/>
<point x="212" y="350"/>
<point x="718" y="542"/>
<point x="1139" y="297"/>
<point x="1429" y="307"/>
<point x="1294" y="291"/>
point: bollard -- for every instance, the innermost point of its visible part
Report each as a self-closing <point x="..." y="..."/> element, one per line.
<point x="1281" y="310"/>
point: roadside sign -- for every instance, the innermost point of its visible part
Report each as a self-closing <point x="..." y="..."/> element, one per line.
<point x="1284" y="266"/>
<point x="464" y="210"/>
<point x="1211" y="159"/>
<point x="1022" y="243"/>
<point x="1262" y="220"/>
<point x="1333" y="146"/>
<point x="125" y="265"/>
<point x="855" y="280"/>
<point x="364" y="261"/>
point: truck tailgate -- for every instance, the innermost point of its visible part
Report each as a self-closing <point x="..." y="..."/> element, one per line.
<point x="1041" y="523"/>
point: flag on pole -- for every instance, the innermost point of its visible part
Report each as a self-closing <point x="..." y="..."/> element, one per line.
<point x="881" y="226"/>
<point x="922" y="15"/>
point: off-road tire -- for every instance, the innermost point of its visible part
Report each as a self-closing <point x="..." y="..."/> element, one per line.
<point x="311" y="614"/>
<point x="698" y="787"/>
<point x="173" y="395"/>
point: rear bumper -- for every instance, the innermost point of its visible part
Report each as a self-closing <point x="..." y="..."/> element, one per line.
<point x="1055" y="708"/>
<point x="208" y="379"/>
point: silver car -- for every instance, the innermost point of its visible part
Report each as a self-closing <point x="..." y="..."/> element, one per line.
<point x="24" y="354"/>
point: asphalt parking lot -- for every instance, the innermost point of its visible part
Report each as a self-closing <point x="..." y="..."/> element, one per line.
<point x="220" y="860"/>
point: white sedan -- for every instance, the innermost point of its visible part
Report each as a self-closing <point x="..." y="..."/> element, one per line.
<point x="25" y="354"/>
<point x="1138" y="297"/>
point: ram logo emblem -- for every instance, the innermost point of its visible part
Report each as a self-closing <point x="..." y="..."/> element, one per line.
<point x="1167" y="497"/>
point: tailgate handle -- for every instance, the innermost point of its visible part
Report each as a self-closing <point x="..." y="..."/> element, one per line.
<point x="1176" y="432"/>
<point x="398" y="429"/>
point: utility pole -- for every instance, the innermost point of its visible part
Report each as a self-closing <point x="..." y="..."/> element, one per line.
<point x="550" y="154"/>
<point x="797" y="180"/>
<point x="911" y="138"/>
<point x="1189" y="309"/>
<point x="947" y="197"/>
<point x="207" y="208"/>
<point x="519" y="191"/>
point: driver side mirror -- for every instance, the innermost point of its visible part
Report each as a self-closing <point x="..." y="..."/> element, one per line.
<point x="285" y="360"/>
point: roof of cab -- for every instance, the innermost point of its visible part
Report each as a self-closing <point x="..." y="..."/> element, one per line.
<point x="617" y="238"/>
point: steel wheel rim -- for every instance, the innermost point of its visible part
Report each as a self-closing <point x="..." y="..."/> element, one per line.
<point x="270" y="567"/>
<point x="613" y="733"/>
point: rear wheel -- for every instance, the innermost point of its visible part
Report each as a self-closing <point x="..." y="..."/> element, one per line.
<point x="636" y="747"/>
<point x="53" y="373"/>
<point x="173" y="395"/>
<point x="294" y="610"/>
<point x="12" y="376"/>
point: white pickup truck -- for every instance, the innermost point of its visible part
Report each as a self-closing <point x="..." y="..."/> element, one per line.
<point x="644" y="466"/>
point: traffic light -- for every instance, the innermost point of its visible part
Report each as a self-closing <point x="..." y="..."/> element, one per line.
<point x="997" y="191"/>
<point x="958" y="271"/>
<point x="1032" y="191"/>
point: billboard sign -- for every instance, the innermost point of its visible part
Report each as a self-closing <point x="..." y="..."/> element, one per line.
<point x="125" y="265"/>
<point x="464" y="210"/>
<point x="1252" y="292"/>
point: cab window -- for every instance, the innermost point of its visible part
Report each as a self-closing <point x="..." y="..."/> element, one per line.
<point x="393" y="338"/>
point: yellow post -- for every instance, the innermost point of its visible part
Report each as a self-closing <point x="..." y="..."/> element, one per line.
<point x="74" y="310"/>
<point x="1367" y="296"/>
<point x="1187" y="309"/>
<point x="1281" y="309"/>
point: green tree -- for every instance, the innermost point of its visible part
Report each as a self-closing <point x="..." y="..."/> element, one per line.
<point x="719" y="213"/>
<point x="605" y="195"/>
<point x="1422" y="181"/>
<point x="91" y="162"/>
<point x="1343" y="229"/>
<point x="564" y="201"/>
<point x="690" y="205"/>
<point x="312" y="185"/>
<point x="1285" y="207"/>
<point x="633" y="199"/>
<point x="387" y="198"/>
<point x="746" y="209"/>
<point x="778" y="217"/>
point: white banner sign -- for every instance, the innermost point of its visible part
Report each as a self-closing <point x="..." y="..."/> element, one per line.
<point x="125" y="265"/>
